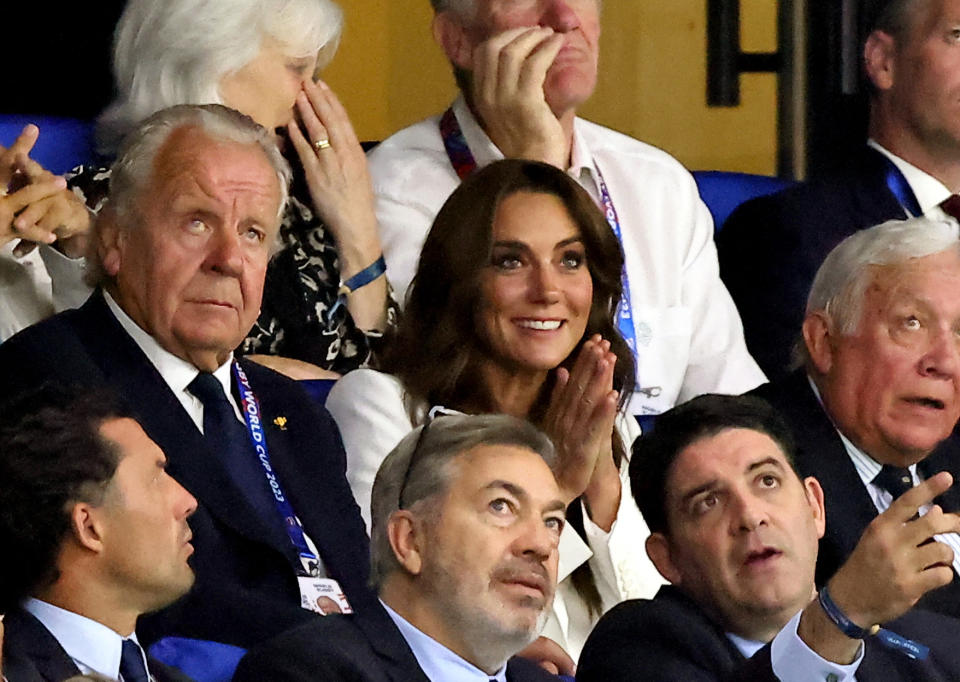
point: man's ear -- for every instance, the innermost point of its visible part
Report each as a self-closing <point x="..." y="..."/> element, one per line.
<point x="879" y="54"/>
<point x="815" y="499"/>
<point x="819" y="341"/>
<point x="451" y="35"/>
<point x="109" y="241"/>
<point x="658" y="549"/>
<point x="86" y="527"/>
<point x="404" y="536"/>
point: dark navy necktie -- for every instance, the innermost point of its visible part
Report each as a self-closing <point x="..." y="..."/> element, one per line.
<point x="894" y="480"/>
<point x="951" y="206"/>
<point x="132" y="667"/>
<point x="229" y="439"/>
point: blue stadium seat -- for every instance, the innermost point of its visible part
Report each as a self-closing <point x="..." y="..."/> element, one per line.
<point x="723" y="191"/>
<point x="63" y="142"/>
<point x="202" y="660"/>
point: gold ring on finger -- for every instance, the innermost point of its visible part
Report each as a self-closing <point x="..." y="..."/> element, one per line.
<point x="320" y="145"/>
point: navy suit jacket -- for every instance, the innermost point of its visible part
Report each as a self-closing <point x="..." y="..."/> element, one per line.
<point x="364" y="647"/>
<point x="771" y="247"/>
<point x="246" y="589"/>
<point x="669" y="638"/>
<point x="820" y="453"/>
<point x="36" y="655"/>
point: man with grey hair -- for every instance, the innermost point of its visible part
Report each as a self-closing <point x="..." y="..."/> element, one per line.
<point x="180" y="253"/>
<point x="771" y="247"/>
<point x="466" y="521"/>
<point x="876" y="402"/>
<point x="524" y="69"/>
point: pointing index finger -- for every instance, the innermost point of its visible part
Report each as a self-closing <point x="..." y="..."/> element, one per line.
<point x="907" y="505"/>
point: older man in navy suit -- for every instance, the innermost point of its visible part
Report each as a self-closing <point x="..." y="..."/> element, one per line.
<point x="875" y="405"/>
<point x="181" y="252"/>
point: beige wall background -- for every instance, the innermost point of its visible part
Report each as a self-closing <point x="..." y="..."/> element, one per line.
<point x="389" y="73"/>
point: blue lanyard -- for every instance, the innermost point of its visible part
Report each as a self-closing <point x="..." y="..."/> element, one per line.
<point x="463" y="162"/>
<point x="900" y="188"/>
<point x="309" y="561"/>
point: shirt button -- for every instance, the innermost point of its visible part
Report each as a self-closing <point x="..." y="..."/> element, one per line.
<point x="833" y="677"/>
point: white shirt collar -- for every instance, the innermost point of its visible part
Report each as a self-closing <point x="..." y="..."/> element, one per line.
<point x="176" y="372"/>
<point x="439" y="663"/>
<point x="929" y="191"/>
<point x="93" y="646"/>
<point x="747" y="647"/>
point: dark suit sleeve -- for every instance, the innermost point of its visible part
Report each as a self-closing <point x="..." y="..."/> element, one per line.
<point x="656" y="641"/>
<point x="767" y="272"/>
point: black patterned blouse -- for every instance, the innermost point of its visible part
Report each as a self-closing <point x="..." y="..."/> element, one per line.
<point x="299" y="293"/>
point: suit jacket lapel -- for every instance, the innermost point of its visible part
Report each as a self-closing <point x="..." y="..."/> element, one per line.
<point x="822" y="454"/>
<point x="389" y="644"/>
<point x="32" y="641"/>
<point x="163" y="418"/>
<point x="870" y="205"/>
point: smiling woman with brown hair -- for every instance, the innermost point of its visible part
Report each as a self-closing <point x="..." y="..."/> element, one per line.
<point x="513" y="310"/>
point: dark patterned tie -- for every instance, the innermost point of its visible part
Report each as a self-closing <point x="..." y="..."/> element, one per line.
<point x="894" y="480"/>
<point x="951" y="206"/>
<point x="132" y="667"/>
<point x="229" y="439"/>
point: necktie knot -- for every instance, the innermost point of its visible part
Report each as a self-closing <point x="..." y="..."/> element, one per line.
<point x="132" y="667"/>
<point x="208" y="389"/>
<point x="894" y="480"/>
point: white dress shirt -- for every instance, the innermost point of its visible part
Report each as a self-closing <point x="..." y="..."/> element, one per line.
<point x="793" y="661"/>
<point x="370" y="409"/>
<point x="36" y="286"/>
<point x="439" y="663"/>
<point x="688" y="331"/>
<point x="92" y="646"/>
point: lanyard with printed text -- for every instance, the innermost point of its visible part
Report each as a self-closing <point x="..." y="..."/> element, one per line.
<point x="464" y="164"/>
<point x="309" y="561"/>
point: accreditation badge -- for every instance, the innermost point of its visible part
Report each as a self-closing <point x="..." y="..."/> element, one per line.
<point x="323" y="596"/>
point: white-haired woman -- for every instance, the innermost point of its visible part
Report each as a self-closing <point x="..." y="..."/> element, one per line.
<point x="262" y="57"/>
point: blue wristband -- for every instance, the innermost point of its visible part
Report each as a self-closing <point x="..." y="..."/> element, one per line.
<point x="361" y="279"/>
<point x="891" y="640"/>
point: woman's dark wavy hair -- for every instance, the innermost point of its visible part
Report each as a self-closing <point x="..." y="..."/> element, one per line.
<point x="437" y="351"/>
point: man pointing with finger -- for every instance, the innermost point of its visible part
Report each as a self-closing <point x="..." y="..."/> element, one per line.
<point x="524" y="67"/>
<point x="734" y="529"/>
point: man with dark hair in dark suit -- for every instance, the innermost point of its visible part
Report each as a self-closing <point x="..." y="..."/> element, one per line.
<point x="94" y="534"/>
<point x="465" y="529"/>
<point x="735" y="529"/>
<point x="771" y="247"/>
<point x="181" y="251"/>
<point x="876" y="403"/>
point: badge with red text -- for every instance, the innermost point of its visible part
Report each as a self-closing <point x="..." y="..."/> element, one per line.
<point x="323" y="596"/>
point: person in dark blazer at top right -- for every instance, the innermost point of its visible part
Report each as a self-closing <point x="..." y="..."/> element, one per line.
<point x="770" y="248"/>
<point x="875" y="405"/>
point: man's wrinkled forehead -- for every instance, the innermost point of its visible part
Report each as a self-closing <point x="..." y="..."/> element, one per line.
<point x="193" y="162"/>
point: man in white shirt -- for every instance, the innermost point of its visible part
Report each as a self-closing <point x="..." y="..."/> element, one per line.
<point x="771" y="247"/>
<point x="467" y="519"/>
<point x="524" y="68"/>
<point x="181" y="250"/>
<point x="735" y="529"/>
<point x="876" y="403"/>
<point x="94" y="533"/>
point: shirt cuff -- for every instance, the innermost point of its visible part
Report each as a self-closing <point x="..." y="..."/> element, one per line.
<point x="793" y="661"/>
<point x="66" y="277"/>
